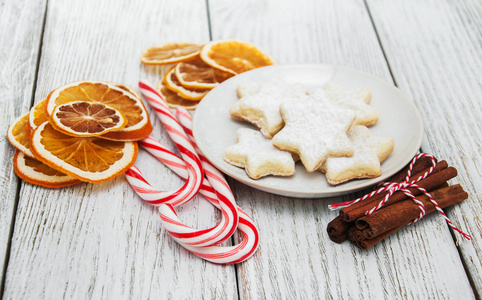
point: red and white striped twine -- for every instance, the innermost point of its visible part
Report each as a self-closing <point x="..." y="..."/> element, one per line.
<point x="404" y="186"/>
<point x="213" y="187"/>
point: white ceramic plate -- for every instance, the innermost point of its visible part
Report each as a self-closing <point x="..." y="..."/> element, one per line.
<point x="214" y="129"/>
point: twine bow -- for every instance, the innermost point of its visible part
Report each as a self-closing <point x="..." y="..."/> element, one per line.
<point x="404" y="186"/>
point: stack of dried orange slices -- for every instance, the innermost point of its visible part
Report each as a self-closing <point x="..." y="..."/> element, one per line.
<point x="200" y="68"/>
<point x="83" y="131"/>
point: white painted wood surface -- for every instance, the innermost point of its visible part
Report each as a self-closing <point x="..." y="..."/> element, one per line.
<point x="20" y="34"/>
<point x="296" y="259"/>
<point x="443" y="76"/>
<point x="102" y="242"/>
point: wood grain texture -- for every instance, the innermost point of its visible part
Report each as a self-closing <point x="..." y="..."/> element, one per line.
<point x="100" y="241"/>
<point x="21" y="27"/>
<point x="296" y="259"/>
<point x="434" y="50"/>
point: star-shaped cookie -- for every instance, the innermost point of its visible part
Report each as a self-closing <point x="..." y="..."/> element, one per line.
<point x="354" y="99"/>
<point x="315" y="129"/>
<point x="258" y="156"/>
<point x="365" y="163"/>
<point x="260" y="102"/>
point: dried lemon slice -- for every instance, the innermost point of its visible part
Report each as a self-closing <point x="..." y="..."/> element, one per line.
<point x="196" y="74"/>
<point x="89" y="159"/>
<point x="138" y="123"/>
<point x="174" y="85"/>
<point x="35" y="172"/>
<point x="233" y="56"/>
<point x="170" y="53"/>
<point x="80" y="118"/>
<point x="173" y="99"/>
<point x="18" y="135"/>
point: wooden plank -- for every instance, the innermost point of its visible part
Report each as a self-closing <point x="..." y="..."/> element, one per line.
<point x="100" y="241"/>
<point x="434" y="48"/>
<point x="20" y="39"/>
<point x="296" y="259"/>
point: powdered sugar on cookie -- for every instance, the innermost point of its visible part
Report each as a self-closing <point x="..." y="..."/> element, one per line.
<point x="315" y="129"/>
<point x="260" y="103"/>
<point x="258" y="156"/>
<point x="369" y="151"/>
<point x="357" y="100"/>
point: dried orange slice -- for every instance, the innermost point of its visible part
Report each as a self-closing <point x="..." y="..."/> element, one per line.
<point x="138" y="123"/>
<point x="37" y="114"/>
<point x="196" y="74"/>
<point x="18" y="135"/>
<point x="174" y="85"/>
<point x="89" y="159"/>
<point x="234" y="56"/>
<point x="170" y="53"/>
<point x="129" y="89"/>
<point x="33" y="171"/>
<point x="80" y="118"/>
<point x="173" y="99"/>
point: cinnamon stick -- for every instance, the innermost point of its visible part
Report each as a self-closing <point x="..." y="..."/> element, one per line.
<point x="403" y="212"/>
<point x="367" y="243"/>
<point x="338" y="238"/>
<point x="422" y="164"/>
<point x="336" y="229"/>
<point x="399" y="177"/>
<point x="432" y="181"/>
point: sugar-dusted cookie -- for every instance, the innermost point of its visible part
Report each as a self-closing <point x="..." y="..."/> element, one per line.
<point x="365" y="163"/>
<point x="315" y="129"/>
<point x="257" y="155"/>
<point x="354" y="99"/>
<point x="260" y="102"/>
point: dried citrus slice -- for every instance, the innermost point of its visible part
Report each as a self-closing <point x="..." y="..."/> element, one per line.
<point x="18" y="135"/>
<point x="234" y="56"/>
<point x="89" y="159"/>
<point x="173" y="99"/>
<point x="138" y="123"/>
<point x="37" y="114"/>
<point x="80" y="118"/>
<point x="33" y="171"/>
<point x="174" y="85"/>
<point x="170" y="53"/>
<point x="129" y="89"/>
<point x="196" y="74"/>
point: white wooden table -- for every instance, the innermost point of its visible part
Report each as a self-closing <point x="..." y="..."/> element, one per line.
<point x="101" y="242"/>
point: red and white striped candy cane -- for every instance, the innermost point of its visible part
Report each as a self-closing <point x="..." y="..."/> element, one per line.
<point x="180" y="232"/>
<point x="223" y="191"/>
<point x="189" y="155"/>
<point x="215" y="254"/>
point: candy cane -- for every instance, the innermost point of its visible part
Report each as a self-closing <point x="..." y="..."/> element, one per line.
<point x="191" y="187"/>
<point x="221" y="255"/>
<point x="223" y="191"/>
<point x="181" y="232"/>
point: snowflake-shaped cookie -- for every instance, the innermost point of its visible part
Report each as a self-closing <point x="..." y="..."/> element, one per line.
<point x="354" y="99"/>
<point x="365" y="163"/>
<point x="315" y="129"/>
<point x="260" y="103"/>
<point x="258" y="156"/>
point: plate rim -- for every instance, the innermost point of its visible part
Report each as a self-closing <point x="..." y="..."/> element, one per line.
<point x="317" y="193"/>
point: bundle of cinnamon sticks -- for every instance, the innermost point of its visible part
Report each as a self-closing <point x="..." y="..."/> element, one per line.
<point x="367" y="230"/>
